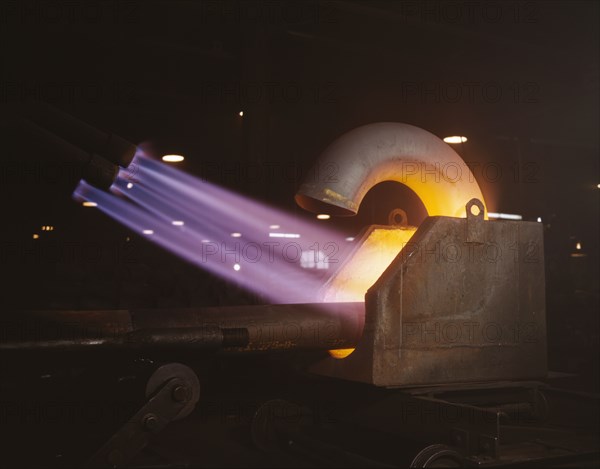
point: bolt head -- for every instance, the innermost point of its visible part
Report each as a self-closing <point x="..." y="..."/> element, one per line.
<point x="181" y="394"/>
<point x="150" y="422"/>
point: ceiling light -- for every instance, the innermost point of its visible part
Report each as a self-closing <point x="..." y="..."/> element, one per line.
<point x="505" y="216"/>
<point x="148" y="232"/>
<point x="236" y="235"/>
<point x="90" y="204"/>
<point x="177" y="223"/>
<point x="284" y="235"/>
<point x="323" y="216"/>
<point x="455" y="139"/>
<point x="172" y="158"/>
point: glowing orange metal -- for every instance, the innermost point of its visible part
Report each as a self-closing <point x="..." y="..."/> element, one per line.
<point x="374" y="252"/>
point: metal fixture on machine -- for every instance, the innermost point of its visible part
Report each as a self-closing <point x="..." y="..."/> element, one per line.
<point x="172" y="393"/>
<point x="463" y="299"/>
<point x="462" y="302"/>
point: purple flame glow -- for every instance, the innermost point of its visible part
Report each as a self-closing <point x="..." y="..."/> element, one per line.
<point x="196" y="219"/>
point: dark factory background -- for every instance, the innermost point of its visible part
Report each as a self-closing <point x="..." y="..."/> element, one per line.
<point x="251" y="92"/>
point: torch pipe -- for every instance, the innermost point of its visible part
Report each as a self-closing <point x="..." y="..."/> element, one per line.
<point x="190" y="338"/>
<point x="95" y="154"/>
<point x="236" y="329"/>
<point x="96" y="170"/>
<point x="92" y="140"/>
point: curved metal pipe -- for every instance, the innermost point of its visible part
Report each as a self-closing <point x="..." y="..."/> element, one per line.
<point x="389" y="151"/>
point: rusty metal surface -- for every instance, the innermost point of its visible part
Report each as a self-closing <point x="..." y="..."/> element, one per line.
<point x="463" y="302"/>
<point x="163" y="339"/>
<point x="271" y="327"/>
<point x="474" y="429"/>
<point x="317" y="326"/>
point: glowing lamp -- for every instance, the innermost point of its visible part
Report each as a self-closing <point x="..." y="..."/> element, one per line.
<point x="454" y="139"/>
<point x="173" y="158"/>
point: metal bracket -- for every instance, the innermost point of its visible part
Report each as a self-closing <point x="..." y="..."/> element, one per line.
<point x="174" y="398"/>
<point x="475" y="220"/>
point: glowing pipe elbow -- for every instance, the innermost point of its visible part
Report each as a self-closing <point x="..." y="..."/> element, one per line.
<point x="389" y="151"/>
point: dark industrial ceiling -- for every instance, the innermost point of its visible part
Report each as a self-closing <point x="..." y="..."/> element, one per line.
<point x="520" y="79"/>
